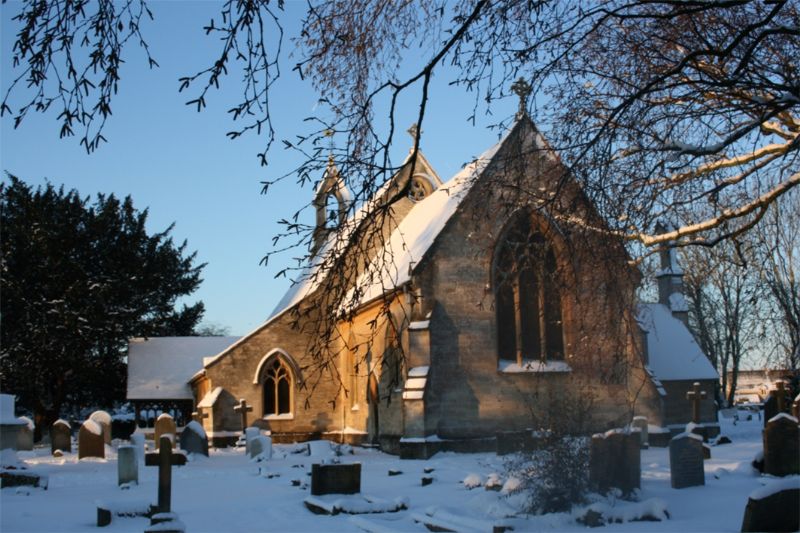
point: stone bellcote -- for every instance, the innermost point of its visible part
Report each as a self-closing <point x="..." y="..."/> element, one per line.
<point x="670" y="279"/>
<point x="331" y="202"/>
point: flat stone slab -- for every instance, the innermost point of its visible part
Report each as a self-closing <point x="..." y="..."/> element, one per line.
<point x="106" y="510"/>
<point x="355" y="504"/>
<point x="22" y="478"/>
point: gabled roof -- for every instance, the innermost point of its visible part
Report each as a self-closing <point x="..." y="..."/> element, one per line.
<point x="408" y="243"/>
<point x="673" y="354"/>
<point x="159" y="368"/>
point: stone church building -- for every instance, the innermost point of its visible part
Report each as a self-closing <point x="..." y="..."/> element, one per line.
<point x="457" y="311"/>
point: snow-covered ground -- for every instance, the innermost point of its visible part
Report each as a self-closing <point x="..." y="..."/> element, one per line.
<point x="228" y="492"/>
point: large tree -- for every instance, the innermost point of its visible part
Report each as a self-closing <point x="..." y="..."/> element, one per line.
<point x="79" y="279"/>
<point x="680" y="109"/>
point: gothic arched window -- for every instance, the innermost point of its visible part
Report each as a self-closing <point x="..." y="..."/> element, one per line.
<point x="277" y="388"/>
<point x="527" y="296"/>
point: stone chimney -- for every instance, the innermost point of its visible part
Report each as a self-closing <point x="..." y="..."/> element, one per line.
<point x="670" y="279"/>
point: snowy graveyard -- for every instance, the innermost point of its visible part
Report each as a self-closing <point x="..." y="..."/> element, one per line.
<point x="230" y="491"/>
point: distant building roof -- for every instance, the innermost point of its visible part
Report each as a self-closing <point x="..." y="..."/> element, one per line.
<point x="673" y="354"/>
<point x="159" y="368"/>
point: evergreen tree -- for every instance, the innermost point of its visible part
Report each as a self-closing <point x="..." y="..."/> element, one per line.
<point x="79" y="279"/>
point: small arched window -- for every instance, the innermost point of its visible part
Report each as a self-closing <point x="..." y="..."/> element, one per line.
<point x="277" y="388"/>
<point x="527" y="296"/>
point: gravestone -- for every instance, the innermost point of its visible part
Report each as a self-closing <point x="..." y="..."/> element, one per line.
<point x="686" y="461"/>
<point x="127" y="465"/>
<point x="776" y="402"/>
<point x="60" y="436"/>
<point x="91" y="442"/>
<point x="165" y="425"/>
<point x="137" y="441"/>
<point x="164" y="460"/>
<point x="250" y="433"/>
<point x="104" y="419"/>
<point x="335" y="479"/>
<point x="782" y="446"/>
<point x="640" y="423"/>
<point x="25" y="434"/>
<point x="194" y="439"/>
<point x="773" y="508"/>
<point x="260" y="446"/>
<point x="796" y="407"/>
<point x="615" y="462"/>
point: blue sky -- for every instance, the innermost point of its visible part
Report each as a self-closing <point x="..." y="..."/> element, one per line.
<point x="179" y="164"/>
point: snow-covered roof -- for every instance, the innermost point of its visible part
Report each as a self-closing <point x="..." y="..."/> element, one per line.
<point x="672" y="351"/>
<point x="161" y="367"/>
<point x="407" y="245"/>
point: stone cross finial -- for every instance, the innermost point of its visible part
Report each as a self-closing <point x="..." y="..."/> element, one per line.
<point x="522" y="89"/>
<point x="164" y="460"/>
<point x="414" y="131"/>
<point x="695" y="395"/>
<point x="243" y="409"/>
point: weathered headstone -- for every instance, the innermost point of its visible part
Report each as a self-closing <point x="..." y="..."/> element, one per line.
<point x="776" y="402"/>
<point x="127" y="465"/>
<point x="91" y="442"/>
<point x="104" y="419"/>
<point x="260" y="446"/>
<point x="164" y="460"/>
<point x="640" y="423"/>
<point x="796" y="407"/>
<point x="250" y="433"/>
<point x="615" y="462"/>
<point x="335" y="479"/>
<point x="242" y="408"/>
<point x="194" y="439"/>
<point x="137" y="441"/>
<point x="686" y="460"/>
<point x="165" y="425"/>
<point x="774" y="507"/>
<point x="60" y="436"/>
<point x="782" y="446"/>
<point x="25" y="434"/>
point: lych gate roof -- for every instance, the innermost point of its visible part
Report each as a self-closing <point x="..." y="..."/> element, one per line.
<point x="160" y="368"/>
<point x="673" y="354"/>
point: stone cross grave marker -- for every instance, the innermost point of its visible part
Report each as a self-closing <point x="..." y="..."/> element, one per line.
<point x="686" y="461"/>
<point x="164" y="460"/>
<point x="91" y="442"/>
<point x="60" y="436"/>
<point x="127" y="465"/>
<point x="165" y="425"/>
<point x="782" y="446"/>
<point x="242" y="408"/>
<point x="695" y="396"/>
